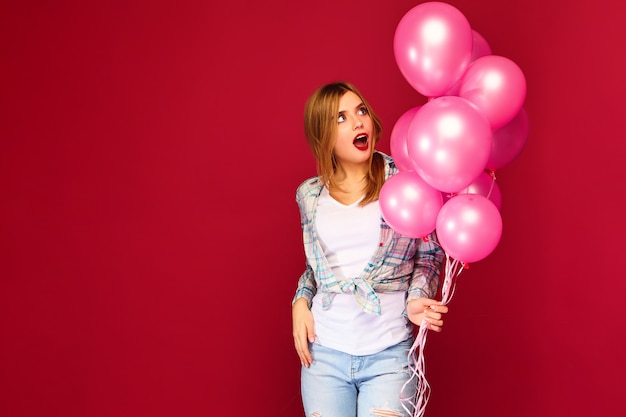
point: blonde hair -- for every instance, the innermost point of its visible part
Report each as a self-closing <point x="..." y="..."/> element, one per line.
<point x="320" y="126"/>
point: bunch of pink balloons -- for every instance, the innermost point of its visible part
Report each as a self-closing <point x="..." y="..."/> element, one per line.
<point x="448" y="149"/>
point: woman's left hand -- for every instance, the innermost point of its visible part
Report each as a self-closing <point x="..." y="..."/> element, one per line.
<point x="431" y="311"/>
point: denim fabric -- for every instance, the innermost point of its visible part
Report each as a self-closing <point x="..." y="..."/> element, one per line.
<point x="338" y="384"/>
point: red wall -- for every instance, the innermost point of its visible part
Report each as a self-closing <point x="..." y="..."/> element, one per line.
<point x="150" y="239"/>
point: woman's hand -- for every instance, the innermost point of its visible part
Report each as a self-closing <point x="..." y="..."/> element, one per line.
<point x="432" y="311"/>
<point x="303" y="331"/>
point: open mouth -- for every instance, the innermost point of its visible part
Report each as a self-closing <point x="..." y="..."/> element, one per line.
<point x="360" y="142"/>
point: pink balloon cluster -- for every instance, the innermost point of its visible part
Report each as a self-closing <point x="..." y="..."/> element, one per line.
<point x="448" y="149"/>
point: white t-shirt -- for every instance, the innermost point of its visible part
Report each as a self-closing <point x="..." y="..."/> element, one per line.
<point x="349" y="236"/>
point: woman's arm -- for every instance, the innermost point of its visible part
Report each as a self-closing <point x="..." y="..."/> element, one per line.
<point x="421" y="305"/>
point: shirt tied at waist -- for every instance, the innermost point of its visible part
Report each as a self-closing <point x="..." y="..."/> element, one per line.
<point x="364" y="294"/>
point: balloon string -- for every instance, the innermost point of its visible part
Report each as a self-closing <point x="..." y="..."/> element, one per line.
<point x="416" y="406"/>
<point x="493" y="182"/>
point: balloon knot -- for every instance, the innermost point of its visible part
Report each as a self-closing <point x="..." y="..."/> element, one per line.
<point x="425" y="239"/>
<point x="465" y="266"/>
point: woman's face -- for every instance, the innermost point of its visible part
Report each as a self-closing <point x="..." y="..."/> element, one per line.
<point x="354" y="131"/>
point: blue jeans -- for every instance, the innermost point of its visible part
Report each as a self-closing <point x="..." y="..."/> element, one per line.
<point x="338" y="384"/>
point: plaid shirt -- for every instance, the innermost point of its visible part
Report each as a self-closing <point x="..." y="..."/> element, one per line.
<point x="400" y="263"/>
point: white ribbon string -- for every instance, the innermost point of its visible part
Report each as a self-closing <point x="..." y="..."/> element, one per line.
<point x="416" y="406"/>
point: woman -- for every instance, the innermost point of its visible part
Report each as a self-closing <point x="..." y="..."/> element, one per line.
<point x="365" y="285"/>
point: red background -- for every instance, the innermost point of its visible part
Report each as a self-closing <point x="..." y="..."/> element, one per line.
<point x="150" y="238"/>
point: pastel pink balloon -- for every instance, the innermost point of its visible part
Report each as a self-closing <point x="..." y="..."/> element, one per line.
<point x="485" y="185"/>
<point x="409" y="205"/>
<point x="449" y="142"/>
<point x="508" y="142"/>
<point x="469" y="227"/>
<point x="497" y="86"/>
<point x="398" y="138"/>
<point x="480" y="48"/>
<point x="432" y="47"/>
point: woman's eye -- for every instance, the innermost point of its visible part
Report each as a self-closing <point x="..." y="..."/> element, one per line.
<point x="341" y="118"/>
<point x="363" y="110"/>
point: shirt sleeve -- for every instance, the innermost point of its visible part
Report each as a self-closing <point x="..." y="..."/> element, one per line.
<point x="429" y="259"/>
<point x="306" y="286"/>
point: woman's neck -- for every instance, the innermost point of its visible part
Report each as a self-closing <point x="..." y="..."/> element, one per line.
<point x="351" y="173"/>
<point x="349" y="184"/>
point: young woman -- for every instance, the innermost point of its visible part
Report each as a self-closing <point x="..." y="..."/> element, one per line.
<point x="365" y="285"/>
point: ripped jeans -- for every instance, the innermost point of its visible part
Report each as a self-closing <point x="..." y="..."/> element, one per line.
<point x="338" y="384"/>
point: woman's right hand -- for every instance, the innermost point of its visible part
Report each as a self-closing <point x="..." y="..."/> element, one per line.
<point x="303" y="331"/>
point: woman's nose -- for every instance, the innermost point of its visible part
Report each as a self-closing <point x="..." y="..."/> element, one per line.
<point x="357" y="124"/>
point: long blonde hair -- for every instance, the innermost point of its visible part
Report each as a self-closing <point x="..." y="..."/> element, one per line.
<point x="320" y="126"/>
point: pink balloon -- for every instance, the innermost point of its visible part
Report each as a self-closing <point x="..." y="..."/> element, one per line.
<point x="480" y="48"/>
<point x="398" y="138"/>
<point x="508" y="141"/>
<point x="432" y="47"/>
<point x="449" y="142"/>
<point x="469" y="227"/>
<point x="485" y="185"/>
<point x="497" y="86"/>
<point x="409" y="205"/>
